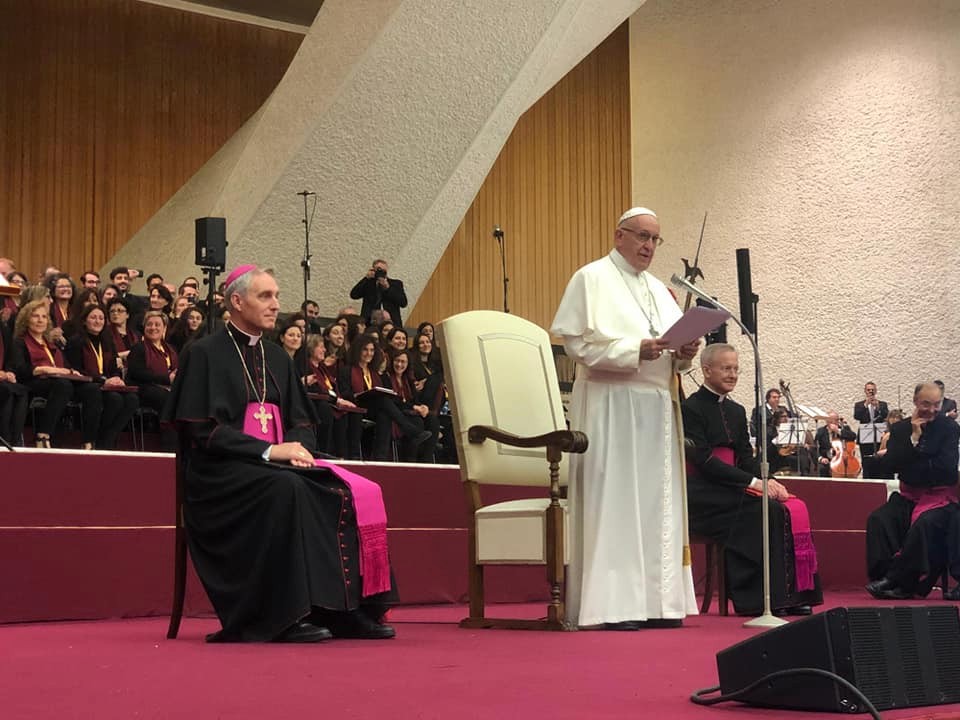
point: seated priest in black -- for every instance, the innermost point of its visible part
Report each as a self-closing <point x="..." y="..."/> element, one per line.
<point x="724" y="498"/>
<point x="289" y="549"/>
<point x="916" y="533"/>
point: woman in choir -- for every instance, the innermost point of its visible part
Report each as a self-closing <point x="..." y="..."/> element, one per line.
<point x="427" y="371"/>
<point x="40" y="366"/>
<point x="291" y="340"/>
<point x="336" y="341"/>
<point x="893" y="416"/>
<point x="91" y="352"/>
<point x="124" y="337"/>
<point x="82" y="298"/>
<point x="397" y="339"/>
<point x="360" y="375"/>
<point x="185" y="329"/>
<point x="400" y="380"/>
<point x="347" y="421"/>
<point x="425" y="328"/>
<point x="161" y="300"/>
<point x="109" y="293"/>
<point x="179" y="306"/>
<point x="62" y="291"/>
<point x="152" y="363"/>
<point x="13" y="394"/>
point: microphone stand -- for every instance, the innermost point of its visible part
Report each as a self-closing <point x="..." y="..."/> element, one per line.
<point x="767" y="619"/>
<point x="498" y="234"/>
<point x="210" y="281"/>
<point x="305" y="263"/>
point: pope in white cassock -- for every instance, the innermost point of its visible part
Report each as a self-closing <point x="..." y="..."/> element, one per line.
<point x="626" y="494"/>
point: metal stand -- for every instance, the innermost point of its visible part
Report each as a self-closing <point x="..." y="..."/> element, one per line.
<point x="210" y="280"/>
<point x="305" y="263"/>
<point x="767" y="619"/>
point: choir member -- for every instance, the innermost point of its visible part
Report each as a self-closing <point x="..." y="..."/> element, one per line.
<point x="109" y="293"/>
<point x="124" y="337"/>
<point x="13" y="394"/>
<point x="337" y="338"/>
<point x="428" y="372"/>
<point x="62" y="291"/>
<point x="185" y="329"/>
<point x="347" y="419"/>
<point x="152" y="363"/>
<point x="91" y="352"/>
<point x="360" y="375"/>
<point x="160" y="300"/>
<point x="397" y="339"/>
<point x="42" y="368"/>
<point x="400" y="380"/>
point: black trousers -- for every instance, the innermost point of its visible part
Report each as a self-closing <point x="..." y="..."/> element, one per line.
<point x="57" y="392"/>
<point x="154" y="396"/>
<point x="385" y="414"/>
<point x="13" y="411"/>
<point x="913" y="555"/>
<point x="118" y="409"/>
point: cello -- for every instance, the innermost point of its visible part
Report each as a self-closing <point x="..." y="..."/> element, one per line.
<point x="844" y="462"/>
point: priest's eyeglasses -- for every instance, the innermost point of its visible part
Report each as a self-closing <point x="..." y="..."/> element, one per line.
<point x="644" y="237"/>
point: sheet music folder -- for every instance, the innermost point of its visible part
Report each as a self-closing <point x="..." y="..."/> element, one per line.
<point x="695" y="323"/>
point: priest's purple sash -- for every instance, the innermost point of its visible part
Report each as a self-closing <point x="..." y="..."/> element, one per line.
<point x="261" y="420"/>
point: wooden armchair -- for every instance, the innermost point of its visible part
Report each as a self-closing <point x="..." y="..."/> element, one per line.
<point x="510" y="430"/>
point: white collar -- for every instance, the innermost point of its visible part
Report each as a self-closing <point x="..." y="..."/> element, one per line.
<point x="251" y="339"/>
<point x="622" y="265"/>
<point x="720" y="397"/>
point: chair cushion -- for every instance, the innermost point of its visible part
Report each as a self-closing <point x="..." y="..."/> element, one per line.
<point x="514" y="532"/>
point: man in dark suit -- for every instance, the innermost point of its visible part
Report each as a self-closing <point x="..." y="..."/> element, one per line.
<point x="870" y="410"/>
<point x="915" y="535"/>
<point x="835" y="429"/>
<point x="380" y="292"/>
<point x="772" y="401"/>
<point x="948" y="406"/>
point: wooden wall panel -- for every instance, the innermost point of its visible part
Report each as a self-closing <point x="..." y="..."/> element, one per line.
<point x="109" y="106"/>
<point x="557" y="188"/>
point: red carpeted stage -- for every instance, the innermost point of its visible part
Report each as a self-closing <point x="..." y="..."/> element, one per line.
<point x="89" y="536"/>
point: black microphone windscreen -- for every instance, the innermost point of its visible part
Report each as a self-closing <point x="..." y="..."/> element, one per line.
<point x="745" y="288"/>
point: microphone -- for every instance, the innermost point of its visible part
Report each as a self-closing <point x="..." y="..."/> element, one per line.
<point x="304" y="193"/>
<point x="683" y="284"/>
<point x="497" y="232"/>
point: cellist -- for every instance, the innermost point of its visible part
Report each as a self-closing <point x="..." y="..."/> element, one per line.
<point x="835" y="430"/>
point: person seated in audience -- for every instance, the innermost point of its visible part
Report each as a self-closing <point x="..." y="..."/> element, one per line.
<point x="313" y="379"/>
<point x="160" y="300"/>
<point x="359" y="375"/>
<point x="397" y="339"/>
<point x="336" y="341"/>
<point x="61" y="291"/>
<point x="8" y="304"/>
<point x="122" y="333"/>
<point x="179" y="305"/>
<point x="400" y="380"/>
<point x="13" y="394"/>
<point x="121" y="277"/>
<point x="40" y="366"/>
<point x="894" y="415"/>
<point x="152" y="363"/>
<point x="346" y="418"/>
<point x="185" y="329"/>
<point x="425" y="328"/>
<point x="91" y="351"/>
<point x="110" y="292"/>
<point x="835" y="430"/>
<point x="299" y="320"/>
<point x="915" y="534"/>
<point x="428" y="372"/>
<point x="311" y="311"/>
<point x="378" y="317"/>
<point x="81" y="299"/>
<point x="355" y="326"/>
<point x="948" y="406"/>
<point x="90" y="280"/>
<point x="291" y="340"/>
<point x="384" y="329"/>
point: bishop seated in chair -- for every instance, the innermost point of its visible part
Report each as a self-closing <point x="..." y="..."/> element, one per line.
<point x="724" y="498"/>
<point x="289" y="549"/>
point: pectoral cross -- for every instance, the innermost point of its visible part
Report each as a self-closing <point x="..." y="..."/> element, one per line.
<point x="262" y="415"/>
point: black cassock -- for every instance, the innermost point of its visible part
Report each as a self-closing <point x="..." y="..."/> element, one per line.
<point x="720" y="509"/>
<point x="913" y="555"/>
<point x="270" y="543"/>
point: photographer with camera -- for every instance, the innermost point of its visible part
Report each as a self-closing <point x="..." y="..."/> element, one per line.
<point x="380" y="292"/>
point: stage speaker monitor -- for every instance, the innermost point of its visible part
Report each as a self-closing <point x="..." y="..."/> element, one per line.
<point x="896" y="656"/>
<point x="211" y="234"/>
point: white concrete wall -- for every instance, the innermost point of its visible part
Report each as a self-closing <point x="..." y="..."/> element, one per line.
<point x="825" y="137"/>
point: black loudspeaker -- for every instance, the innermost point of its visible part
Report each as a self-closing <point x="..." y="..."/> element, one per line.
<point x="896" y="656"/>
<point x="720" y="334"/>
<point x="745" y="286"/>
<point x="211" y="242"/>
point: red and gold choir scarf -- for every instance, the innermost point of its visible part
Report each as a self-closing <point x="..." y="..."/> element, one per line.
<point x="98" y="361"/>
<point x="123" y="342"/>
<point x="57" y="316"/>
<point x="160" y="361"/>
<point x="41" y="354"/>
<point x="401" y="385"/>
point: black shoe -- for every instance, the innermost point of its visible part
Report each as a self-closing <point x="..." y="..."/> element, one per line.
<point x="221" y="636"/>
<point x="886" y="589"/>
<point x="421" y="437"/>
<point x="626" y="625"/>
<point x="952" y="594"/>
<point x="794" y="610"/>
<point x="357" y="625"/>
<point x="661" y="623"/>
<point x="879" y="586"/>
<point x="303" y="632"/>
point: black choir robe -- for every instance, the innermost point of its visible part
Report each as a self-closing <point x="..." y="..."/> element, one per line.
<point x="913" y="555"/>
<point x="271" y="543"/>
<point x="720" y="509"/>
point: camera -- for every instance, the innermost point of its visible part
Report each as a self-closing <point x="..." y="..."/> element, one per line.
<point x="379" y="273"/>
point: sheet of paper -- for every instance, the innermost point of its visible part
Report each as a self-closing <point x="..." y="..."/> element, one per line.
<point x="695" y="323"/>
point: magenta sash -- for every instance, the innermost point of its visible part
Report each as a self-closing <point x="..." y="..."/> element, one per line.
<point x="367" y="501"/>
<point x="928" y="498"/>
<point x="804" y="553"/>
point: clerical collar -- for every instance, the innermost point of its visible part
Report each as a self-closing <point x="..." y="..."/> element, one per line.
<point x="241" y="336"/>
<point x="720" y="397"/>
<point x="621" y="262"/>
